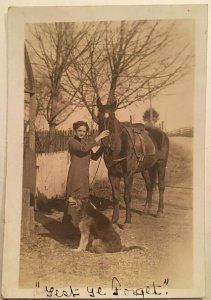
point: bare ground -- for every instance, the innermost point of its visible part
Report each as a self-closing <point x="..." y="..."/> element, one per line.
<point x="48" y="257"/>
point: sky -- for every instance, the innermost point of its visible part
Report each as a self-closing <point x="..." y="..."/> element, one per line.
<point x="174" y="104"/>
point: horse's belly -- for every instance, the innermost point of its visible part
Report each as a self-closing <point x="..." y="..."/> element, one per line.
<point x="148" y="162"/>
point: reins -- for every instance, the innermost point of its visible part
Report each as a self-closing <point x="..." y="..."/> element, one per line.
<point x="93" y="179"/>
<point x="139" y="158"/>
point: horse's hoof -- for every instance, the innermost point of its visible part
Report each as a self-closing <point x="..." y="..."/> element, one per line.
<point x="160" y="214"/>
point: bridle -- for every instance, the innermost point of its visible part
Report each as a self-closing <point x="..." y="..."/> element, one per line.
<point x="124" y="128"/>
<point x="105" y="127"/>
<point x="107" y="147"/>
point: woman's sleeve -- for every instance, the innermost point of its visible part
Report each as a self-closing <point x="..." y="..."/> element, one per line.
<point x="97" y="154"/>
<point x="82" y="147"/>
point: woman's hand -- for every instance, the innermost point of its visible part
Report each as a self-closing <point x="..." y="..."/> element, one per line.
<point x="102" y="135"/>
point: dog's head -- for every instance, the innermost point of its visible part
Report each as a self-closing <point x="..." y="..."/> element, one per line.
<point x="100" y="203"/>
<point x="78" y="202"/>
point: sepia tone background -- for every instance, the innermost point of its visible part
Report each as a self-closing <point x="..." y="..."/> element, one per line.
<point x="158" y="58"/>
<point x="188" y="155"/>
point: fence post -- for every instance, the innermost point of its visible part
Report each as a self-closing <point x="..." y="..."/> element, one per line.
<point x="25" y="221"/>
<point x="32" y="223"/>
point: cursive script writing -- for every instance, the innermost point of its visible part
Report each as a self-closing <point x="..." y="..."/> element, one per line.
<point x="117" y="290"/>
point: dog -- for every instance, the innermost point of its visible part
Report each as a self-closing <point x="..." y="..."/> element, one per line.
<point x="97" y="232"/>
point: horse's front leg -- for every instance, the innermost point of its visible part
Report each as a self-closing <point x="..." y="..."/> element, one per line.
<point x="115" y="185"/>
<point x="128" y="180"/>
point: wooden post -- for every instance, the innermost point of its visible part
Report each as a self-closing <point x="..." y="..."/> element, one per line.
<point x="29" y="164"/>
<point x="32" y="223"/>
<point x="150" y="105"/>
<point x="25" y="228"/>
<point x="32" y="118"/>
<point x="131" y="120"/>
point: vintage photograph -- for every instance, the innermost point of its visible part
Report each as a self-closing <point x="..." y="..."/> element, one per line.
<point x="109" y="142"/>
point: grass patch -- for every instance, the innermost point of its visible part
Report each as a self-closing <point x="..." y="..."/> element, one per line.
<point x="179" y="167"/>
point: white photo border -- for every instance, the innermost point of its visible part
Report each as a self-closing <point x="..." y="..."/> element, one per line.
<point x="18" y="17"/>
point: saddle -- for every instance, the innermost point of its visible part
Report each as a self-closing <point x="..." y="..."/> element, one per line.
<point x="143" y="144"/>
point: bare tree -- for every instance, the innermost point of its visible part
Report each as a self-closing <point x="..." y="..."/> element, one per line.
<point x="123" y="57"/>
<point x="80" y="63"/>
<point x="53" y="47"/>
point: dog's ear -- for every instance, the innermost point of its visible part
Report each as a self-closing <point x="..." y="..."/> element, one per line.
<point x="83" y="202"/>
<point x="84" y="199"/>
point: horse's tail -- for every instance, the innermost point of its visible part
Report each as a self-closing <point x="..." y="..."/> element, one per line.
<point x="162" y="142"/>
<point x="157" y="135"/>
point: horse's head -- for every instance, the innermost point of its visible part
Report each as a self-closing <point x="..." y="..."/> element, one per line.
<point x="107" y="120"/>
<point x="113" y="144"/>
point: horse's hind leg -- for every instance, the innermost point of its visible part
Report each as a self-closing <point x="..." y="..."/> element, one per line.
<point x="161" y="185"/>
<point x="148" y="185"/>
<point x="152" y="175"/>
<point x="115" y="185"/>
<point x="128" y="181"/>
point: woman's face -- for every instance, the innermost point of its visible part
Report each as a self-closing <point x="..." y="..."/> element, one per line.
<point x="81" y="132"/>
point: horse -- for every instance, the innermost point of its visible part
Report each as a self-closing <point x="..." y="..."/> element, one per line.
<point x="130" y="149"/>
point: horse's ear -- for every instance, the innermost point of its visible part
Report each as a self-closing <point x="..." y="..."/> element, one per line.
<point x="99" y="104"/>
<point x="114" y="105"/>
<point x="95" y="115"/>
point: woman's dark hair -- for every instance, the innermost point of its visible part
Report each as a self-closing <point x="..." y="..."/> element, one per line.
<point x="78" y="124"/>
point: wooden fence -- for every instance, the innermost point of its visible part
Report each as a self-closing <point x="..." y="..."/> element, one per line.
<point x="59" y="142"/>
<point x="184" y="131"/>
<point x="61" y="137"/>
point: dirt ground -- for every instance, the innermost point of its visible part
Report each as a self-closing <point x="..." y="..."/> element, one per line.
<point x="48" y="257"/>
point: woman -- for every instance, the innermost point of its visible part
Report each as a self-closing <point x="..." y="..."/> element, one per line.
<point x="81" y="153"/>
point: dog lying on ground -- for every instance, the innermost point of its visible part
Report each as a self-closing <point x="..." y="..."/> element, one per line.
<point x="97" y="232"/>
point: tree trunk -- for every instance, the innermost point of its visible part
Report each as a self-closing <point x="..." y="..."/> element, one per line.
<point x="52" y="129"/>
<point x="52" y="126"/>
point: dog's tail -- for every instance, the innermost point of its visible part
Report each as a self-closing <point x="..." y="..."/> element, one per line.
<point x="125" y="248"/>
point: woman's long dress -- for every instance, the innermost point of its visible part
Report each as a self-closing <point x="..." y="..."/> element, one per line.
<point x="78" y="174"/>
